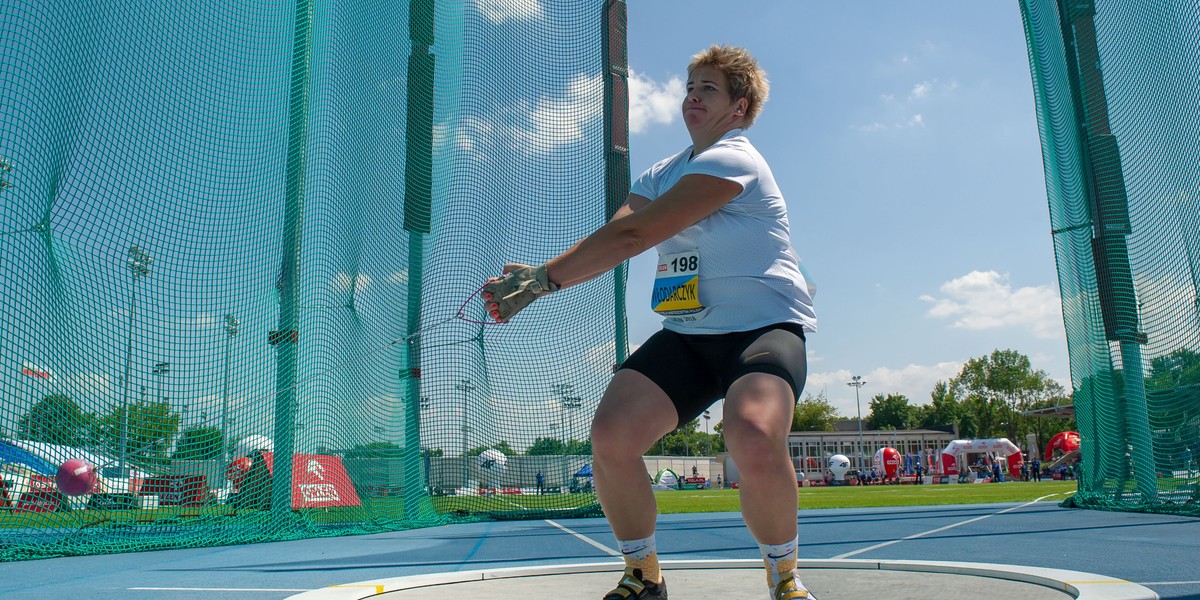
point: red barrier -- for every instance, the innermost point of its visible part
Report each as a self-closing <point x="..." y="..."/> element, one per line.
<point x="43" y="496"/>
<point x="177" y="490"/>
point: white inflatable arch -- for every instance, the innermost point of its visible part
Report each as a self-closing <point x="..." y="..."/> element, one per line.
<point x="996" y="445"/>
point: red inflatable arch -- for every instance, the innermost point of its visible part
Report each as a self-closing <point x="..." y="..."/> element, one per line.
<point x="1000" y="446"/>
<point x="1066" y="441"/>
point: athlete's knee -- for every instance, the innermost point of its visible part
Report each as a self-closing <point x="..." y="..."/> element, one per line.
<point x="617" y="436"/>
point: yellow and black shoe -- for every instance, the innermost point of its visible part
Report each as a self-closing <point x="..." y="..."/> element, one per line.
<point x="788" y="589"/>
<point x="632" y="587"/>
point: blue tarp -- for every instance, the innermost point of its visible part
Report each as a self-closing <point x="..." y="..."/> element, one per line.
<point x="12" y="454"/>
<point x="586" y="471"/>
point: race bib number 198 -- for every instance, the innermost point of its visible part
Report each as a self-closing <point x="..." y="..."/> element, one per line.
<point x="677" y="284"/>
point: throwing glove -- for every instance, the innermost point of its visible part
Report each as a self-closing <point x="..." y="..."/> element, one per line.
<point x="516" y="290"/>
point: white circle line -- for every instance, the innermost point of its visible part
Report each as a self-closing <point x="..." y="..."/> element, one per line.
<point x="1080" y="585"/>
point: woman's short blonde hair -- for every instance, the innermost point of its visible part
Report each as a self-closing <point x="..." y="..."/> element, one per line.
<point x="746" y="79"/>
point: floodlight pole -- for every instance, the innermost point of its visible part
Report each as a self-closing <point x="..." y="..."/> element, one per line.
<point x="857" y="384"/>
<point x="466" y="387"/>
<point x="707" y="439"/>
<point x="231" y="330"/>
<point x="139" y="267"/>
<point x="566" y="403"/>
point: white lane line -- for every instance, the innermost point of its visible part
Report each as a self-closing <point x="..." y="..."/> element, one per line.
<point x="602" y="547"/>
<point x="194" y="589"/>
<point x="939" y="529"/>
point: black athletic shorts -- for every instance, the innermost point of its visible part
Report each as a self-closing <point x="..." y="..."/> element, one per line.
<point x="696" y="370"/>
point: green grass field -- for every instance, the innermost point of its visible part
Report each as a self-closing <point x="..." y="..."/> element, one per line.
<point x="691" y="501"/>
<point x="687" y="501"/>
<point x="669" y="502"/>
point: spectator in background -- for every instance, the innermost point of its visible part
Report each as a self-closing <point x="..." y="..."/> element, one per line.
<point x="541" y="482"/>
<point x="1036" y="468"/>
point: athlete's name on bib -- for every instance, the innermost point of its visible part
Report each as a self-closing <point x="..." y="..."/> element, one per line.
<point x="680" y="291"/>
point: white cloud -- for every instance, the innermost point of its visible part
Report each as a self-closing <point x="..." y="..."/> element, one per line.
<point x="399" y="277"/>
<point x="540" y="127"/>
<point x="651" y="102"/>
<point x="873" y="127"/>
<point x="922" y="92"/>
<point x="908" y="123"/>
<point x="915" y="382"/>
<point x="986" y="300"/>
<point x="498" y="11"/>
<point x="91" y="386"/>
<point x="930" y="88"/>
<point x="559" y="121"/>
<point x="358" y="283"/>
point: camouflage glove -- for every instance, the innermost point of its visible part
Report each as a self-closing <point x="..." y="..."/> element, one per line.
<point x="515" y="291"/>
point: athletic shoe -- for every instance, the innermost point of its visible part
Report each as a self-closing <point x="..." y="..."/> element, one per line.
<point x="788" y="590"/>
<point x="632" y="587"/>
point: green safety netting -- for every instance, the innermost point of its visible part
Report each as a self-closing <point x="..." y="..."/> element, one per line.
<point x="1117" y="88"/>
<point x="238" y="248"/>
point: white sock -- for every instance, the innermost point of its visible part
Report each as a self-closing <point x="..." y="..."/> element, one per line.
<point x="780" y="561"/>
<point x="642" y="554"/>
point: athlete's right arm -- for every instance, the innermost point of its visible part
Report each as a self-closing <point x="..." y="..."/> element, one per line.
<point x="641" y="225"/>
<point x="633" y="203"/>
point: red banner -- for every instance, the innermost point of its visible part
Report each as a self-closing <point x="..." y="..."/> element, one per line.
<point x="35" y="371"/>
<point x="318" y="481"/>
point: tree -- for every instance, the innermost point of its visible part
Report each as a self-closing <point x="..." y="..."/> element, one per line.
<point x="151" y="426"/>
<point x="1171" y="394"/>
<point x="687" y="440"/>
<point x="200" y="443"/>
<point x="996" y="388"/>
<point x="579" y="447"/>
<point x="943" y="409"/>
<point x="1177" y="369"/>
<point x="546" y="446"/>
<point x="814" y="413"/>
<point x="57" y="419"/>
<point x="376" y="450"/>
<point x="502" y="446"/>
<point x="889" y="412"/>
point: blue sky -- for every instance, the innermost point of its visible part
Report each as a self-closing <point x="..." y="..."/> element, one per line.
<point x="904" y="138"/>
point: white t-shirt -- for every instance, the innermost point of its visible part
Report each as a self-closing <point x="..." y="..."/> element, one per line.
<point x="749" y="276"/>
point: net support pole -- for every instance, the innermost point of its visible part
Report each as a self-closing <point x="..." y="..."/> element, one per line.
<point x="286" y="338"/>
<point x="616" y="144"/>
<point x="418" y="202"/>
<point x="1070" y="228"/>
<point x="1109" y="210"/>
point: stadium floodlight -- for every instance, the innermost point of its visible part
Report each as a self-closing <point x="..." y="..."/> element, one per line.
<point x="160" y="370"/>
<point x="857" y="384"/>
<point x="5" y="167"/>
<point x="231" y="330"/>
<point x="139" y="267"/>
